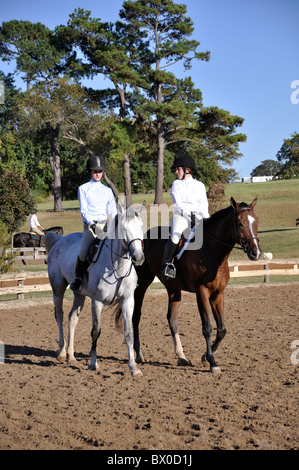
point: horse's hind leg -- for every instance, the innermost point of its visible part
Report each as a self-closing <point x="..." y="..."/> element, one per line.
<point x="145" y="278"/>
<point x="204" y="308"/>
<point x="174" y="301"/>
<point x="73" y="320"/>
<point x="58" y="301"/>
<point x="96" y="311"/>
<point x="217" y="305"/>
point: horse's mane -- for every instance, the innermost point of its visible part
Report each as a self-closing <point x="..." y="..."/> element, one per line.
<point x="219" y="215"/>
<point x="223" y="213"/>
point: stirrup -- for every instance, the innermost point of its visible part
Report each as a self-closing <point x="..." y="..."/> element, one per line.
<point x="169" y="271"/>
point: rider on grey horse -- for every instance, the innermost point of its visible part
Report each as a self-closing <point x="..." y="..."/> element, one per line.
<point x="96" y="200"/>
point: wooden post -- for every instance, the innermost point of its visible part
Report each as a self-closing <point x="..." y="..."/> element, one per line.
<point x="266" y="277"/>
<point x="20" y="296"/>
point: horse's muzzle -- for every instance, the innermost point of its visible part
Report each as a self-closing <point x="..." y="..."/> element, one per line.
<point x="138" y="260"/>
<point x="253" y="252"/>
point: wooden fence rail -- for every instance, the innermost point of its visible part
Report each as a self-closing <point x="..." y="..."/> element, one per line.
<point x="38" y="281"/>
<point x="33" y="253"/>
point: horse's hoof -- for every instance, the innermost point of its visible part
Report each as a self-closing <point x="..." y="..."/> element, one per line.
<point x="184" y="362"/>
<point x="136" y="373"/>
<point x="94" y="367"/>
<point x="140" y="360"/>
<point x="60" y="358"/>
<point x="72" y="362"/>
<point x="205" y="364"/>
<point x="216" y="370"/>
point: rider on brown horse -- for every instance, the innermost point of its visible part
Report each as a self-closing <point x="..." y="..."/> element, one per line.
<point x="190" y="200"/>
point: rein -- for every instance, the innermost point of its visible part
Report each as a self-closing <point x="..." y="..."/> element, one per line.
<point x="120" y="280"/>
<point x="112" y="252"/>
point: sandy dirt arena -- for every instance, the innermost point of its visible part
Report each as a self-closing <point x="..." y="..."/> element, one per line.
<point x="252" y="405"/>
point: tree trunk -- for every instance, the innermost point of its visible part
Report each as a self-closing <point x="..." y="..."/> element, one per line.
<point x="55" y="165"/>
<point x="127" y="177"/>
<point x="160" y="166"/>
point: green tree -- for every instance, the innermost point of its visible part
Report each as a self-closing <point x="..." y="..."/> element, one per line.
<point x="41" y="57"/>
<point x="6" y="260"/>
<point x="64" y="110"/>
<point x="38" y="52"/>
<point x="113" y="50"/>
<point x="16" y="202"/>
<point x="288" y="157"/>
<point x="172" y="102"/>
<point x="267" y="167"/>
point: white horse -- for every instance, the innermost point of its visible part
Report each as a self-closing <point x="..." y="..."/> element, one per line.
<point x="111" y="278"/>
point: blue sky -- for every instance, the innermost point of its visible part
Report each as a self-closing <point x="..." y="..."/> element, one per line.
<point x="254" y="61"/>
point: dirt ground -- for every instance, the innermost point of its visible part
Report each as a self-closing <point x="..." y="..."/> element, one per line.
<point x="252" y="405"/>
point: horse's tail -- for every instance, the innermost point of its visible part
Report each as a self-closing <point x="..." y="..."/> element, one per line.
<point x="50" y="240"/>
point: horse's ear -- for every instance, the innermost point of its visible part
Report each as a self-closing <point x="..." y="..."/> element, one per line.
<point x="253" y="204"/>
<point x="141" y="207"/>
<point x="234" y="203"/>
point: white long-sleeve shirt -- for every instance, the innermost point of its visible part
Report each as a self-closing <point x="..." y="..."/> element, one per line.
<point x="33" y="222"/>
<point x="189" y="195"/>
<point x="96" y="200"/>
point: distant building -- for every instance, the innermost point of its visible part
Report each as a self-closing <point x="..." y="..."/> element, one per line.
<point x="257" y="179"/>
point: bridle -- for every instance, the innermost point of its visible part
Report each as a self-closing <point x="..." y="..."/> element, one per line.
<point x="135" y="240"/>
<point x="243" y="243"/>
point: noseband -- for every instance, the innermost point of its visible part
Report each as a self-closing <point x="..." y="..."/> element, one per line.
<point x="134" y="240"/>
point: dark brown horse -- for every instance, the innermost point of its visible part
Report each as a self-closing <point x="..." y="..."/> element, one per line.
<point x="204" y="271"/>
<point x="24" y="239"/>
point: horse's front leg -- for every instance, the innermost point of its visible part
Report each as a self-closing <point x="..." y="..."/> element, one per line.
<point x="174" y="301"/>
<point x="127" y="307"/>
<point x="96" y="311"/>
<point x="73" y="320"/>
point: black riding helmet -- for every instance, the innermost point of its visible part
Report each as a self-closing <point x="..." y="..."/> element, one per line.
<point x="185" y="162"/>
<point x="95" y="162"/>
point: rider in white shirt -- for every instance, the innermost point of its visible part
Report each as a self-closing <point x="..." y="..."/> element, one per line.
<point x="190" y="199"/>
<point x="35" y="226"/>
<point x="96" y="202"/>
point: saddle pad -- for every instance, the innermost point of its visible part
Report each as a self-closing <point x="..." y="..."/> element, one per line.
<point x="34" y="236"/>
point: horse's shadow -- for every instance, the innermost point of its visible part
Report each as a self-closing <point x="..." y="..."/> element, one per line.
<point x="22" y="355"/>
<point x="15" y="354"/>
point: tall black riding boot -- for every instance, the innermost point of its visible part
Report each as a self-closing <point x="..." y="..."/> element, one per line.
<point x="81" y="267"/>
<point x="168" y="270"/>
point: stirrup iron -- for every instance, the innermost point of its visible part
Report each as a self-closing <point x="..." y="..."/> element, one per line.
<point x="169" y="271"/>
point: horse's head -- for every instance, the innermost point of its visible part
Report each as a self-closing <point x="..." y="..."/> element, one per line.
<point x="131" y="231"/>
<point x="246" y="225"/>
